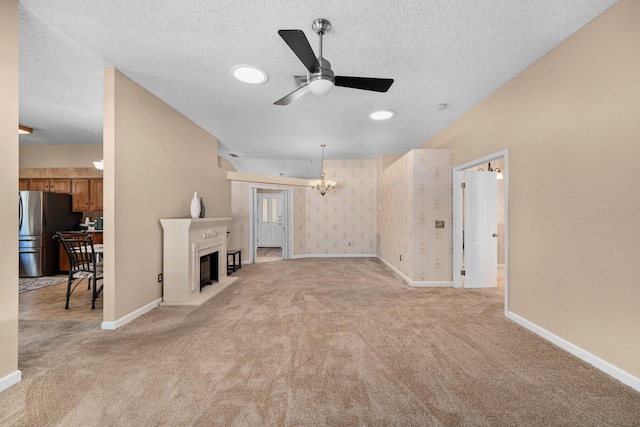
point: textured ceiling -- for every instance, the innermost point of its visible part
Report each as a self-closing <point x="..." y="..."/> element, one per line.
<point x="454" y="52"/>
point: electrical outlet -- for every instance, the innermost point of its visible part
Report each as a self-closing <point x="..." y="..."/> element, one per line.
<point x="160" y="278"/>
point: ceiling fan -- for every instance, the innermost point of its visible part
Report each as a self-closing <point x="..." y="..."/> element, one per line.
<point x="320" y="78"/>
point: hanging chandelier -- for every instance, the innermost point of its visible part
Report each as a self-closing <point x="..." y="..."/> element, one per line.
<point x="323" y="185"/>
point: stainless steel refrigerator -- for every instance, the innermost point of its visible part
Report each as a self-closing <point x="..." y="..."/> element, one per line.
<point x="41" y="215"/>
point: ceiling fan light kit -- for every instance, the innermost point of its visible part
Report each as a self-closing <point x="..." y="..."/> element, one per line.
<point x="321" y="78"/>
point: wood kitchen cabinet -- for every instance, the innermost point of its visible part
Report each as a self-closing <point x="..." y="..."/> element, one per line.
<point x="87" y="194"/>
<point x="56" y="185"/>
<point x="60" y="185"/>
<point x="39" y="184"/>
<point x="80" y="192"/>
<point x="95" y="195"/>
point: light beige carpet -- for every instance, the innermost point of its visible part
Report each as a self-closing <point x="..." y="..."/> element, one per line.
<point x="338" y="342"/>
<point x="268" y="254"/>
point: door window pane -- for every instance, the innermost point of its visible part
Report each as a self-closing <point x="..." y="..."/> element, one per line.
<point x="274" y="210"/>
<point x="265" y="210"/>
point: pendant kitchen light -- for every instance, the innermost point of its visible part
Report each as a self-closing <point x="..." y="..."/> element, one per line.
<point x="99" y="165"/>
<point x="323" y="185"/>
<point x="24" y="130"/>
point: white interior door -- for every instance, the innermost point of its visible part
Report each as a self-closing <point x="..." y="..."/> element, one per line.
<point x="480" y="230"/>
<point x="270" y="220"/>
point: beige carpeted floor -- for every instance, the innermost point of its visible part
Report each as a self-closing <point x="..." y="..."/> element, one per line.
<point x="312" y="342"/>
<point x="268" y="254"/>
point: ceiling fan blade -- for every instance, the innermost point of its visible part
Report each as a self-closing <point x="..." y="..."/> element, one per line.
<point x="293" y="96"/>
<point x="299" y="44"/>
<point x="365" y="83"/>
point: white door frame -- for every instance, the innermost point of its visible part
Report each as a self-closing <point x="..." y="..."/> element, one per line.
<point x="458" y="219"/>
<point x="287" y="244"/>
<point x="268" y="238"/>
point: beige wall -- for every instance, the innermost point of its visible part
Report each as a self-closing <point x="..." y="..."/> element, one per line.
<point x="60" y="156"/>
<point x="155" y="159"/>
<point x="8" y="186"/>
<point x="415" y="192"/>
<point x="570" y="122"/>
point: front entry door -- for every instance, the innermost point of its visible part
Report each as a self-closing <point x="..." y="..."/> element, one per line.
<point x="270" y="220"/>
<point x="480" y="230"/>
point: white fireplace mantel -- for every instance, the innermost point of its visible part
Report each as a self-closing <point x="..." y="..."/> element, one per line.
<point x="185" y="241"/>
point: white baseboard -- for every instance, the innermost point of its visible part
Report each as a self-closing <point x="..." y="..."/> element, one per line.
<point x="8" y="380"/>
<point x="606" y="367"/>
<point x="417" y="284"/>
<point x="432" y="284"/>
<point x="129" y="317"/>
<point x="334" y="256"/>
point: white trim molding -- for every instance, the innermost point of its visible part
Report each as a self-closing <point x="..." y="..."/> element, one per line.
<point x="335" y="256"/>
<point x="129" y="317"/>
<point x="417" y="284"/>
<point x="11" y="379"/>
<point x="606" y="367"/>
<point x="432" y="284"/>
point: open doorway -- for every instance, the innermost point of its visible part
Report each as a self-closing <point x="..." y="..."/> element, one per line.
<point x="471" y="251"/>
<point x="270" y="232"/>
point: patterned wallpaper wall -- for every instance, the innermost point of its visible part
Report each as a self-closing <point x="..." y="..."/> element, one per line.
<point x="343" y="221"/>
<point x="432" y="201"/>
<point x="300" y="221"/>
<point x="417" y="191"/>
<point x="396" y="202"/>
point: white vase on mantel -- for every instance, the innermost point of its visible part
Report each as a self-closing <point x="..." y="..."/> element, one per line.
<point x="195" y="206"/>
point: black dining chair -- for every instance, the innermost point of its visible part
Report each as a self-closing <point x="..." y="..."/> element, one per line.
<point x="83" y="264"/>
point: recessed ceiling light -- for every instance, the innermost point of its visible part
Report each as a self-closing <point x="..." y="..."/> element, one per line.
<point x="382" y="115"/>
<point x="249" y="74"/>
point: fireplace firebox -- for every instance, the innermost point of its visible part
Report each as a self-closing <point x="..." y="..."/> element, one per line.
<point x="208" y="269"/>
